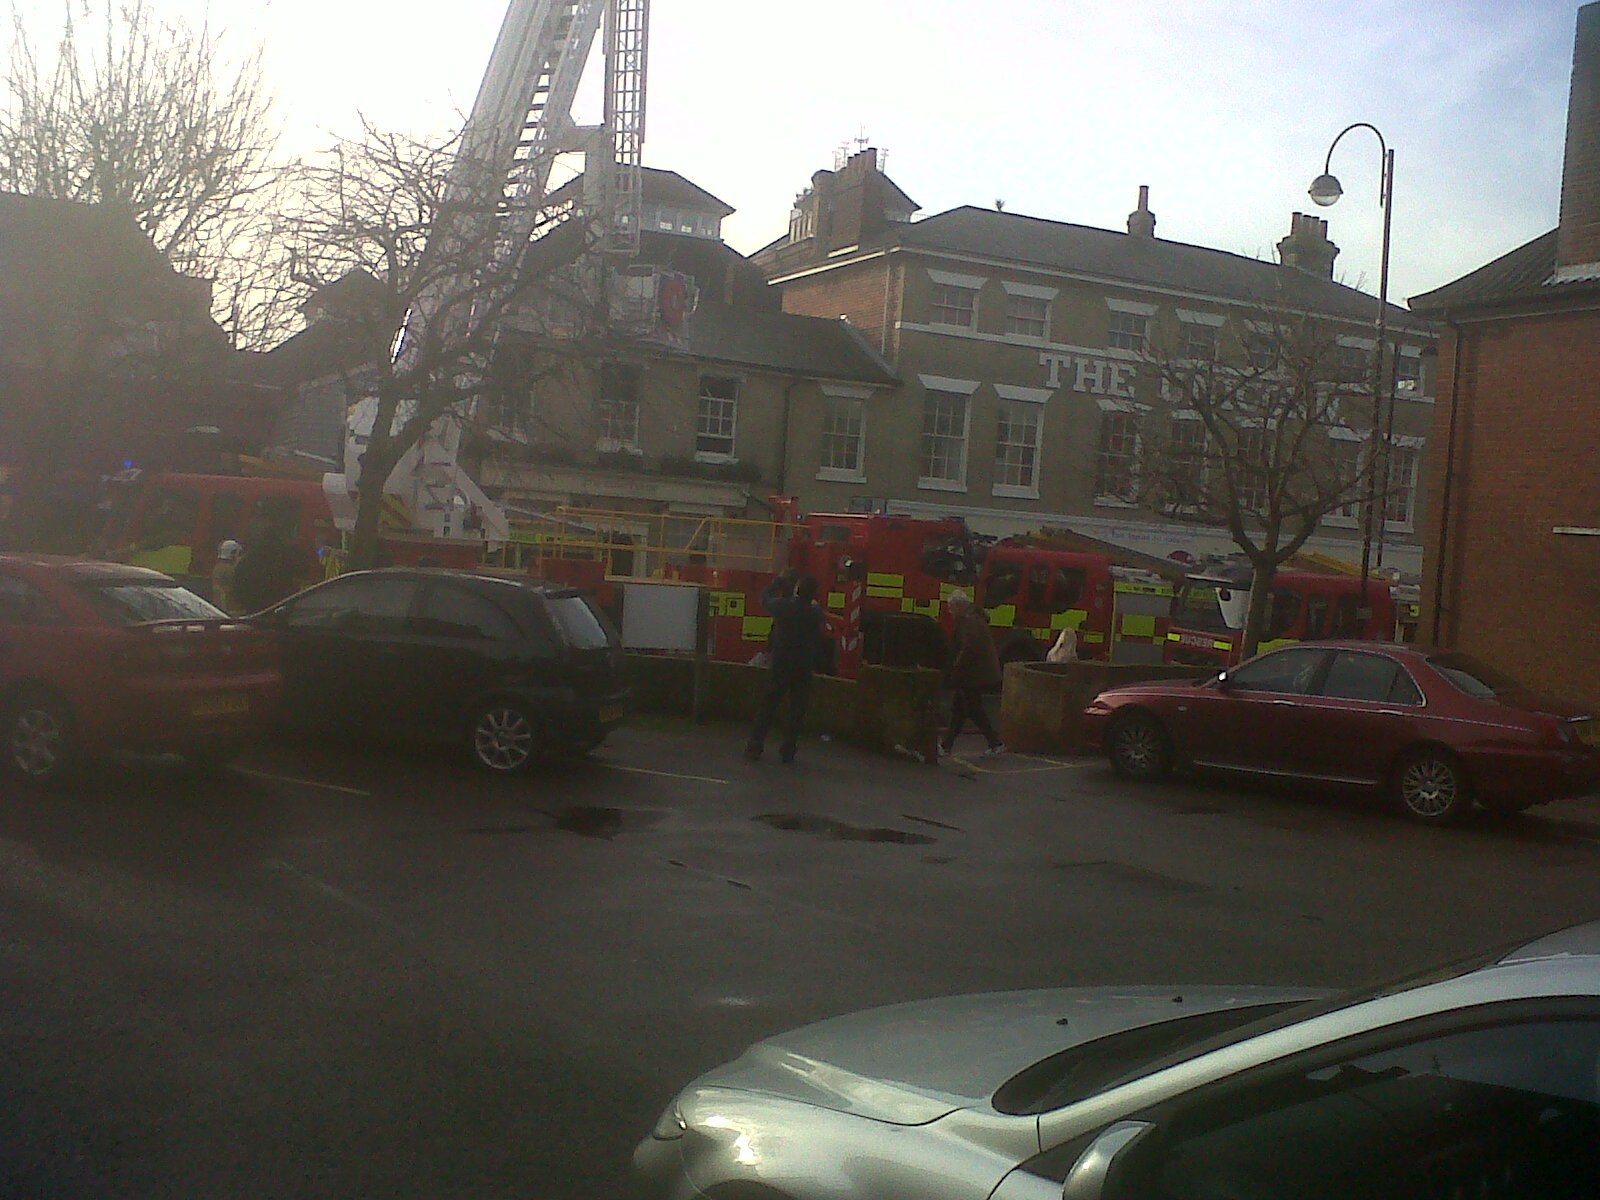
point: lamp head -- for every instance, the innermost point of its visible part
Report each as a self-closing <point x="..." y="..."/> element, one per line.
<point x="1325" y="190"/>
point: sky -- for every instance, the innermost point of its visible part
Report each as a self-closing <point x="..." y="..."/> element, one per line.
<point x="1059" y="108"/>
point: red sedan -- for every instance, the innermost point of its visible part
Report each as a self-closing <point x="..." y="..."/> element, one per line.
<point x="97" y="657"/>
<point x="1436" y="731"/>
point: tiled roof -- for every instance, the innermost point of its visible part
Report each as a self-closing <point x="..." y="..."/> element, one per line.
<point x="812" y="347"/>
<point x="1138" y="262"/>
<point x="657" y="187"/>
<point x="1522" y="275"/>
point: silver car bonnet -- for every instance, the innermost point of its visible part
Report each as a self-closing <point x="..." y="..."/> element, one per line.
<point x="912" y="1063"/>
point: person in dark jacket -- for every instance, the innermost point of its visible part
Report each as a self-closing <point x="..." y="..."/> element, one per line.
<point x="974" y="669"/>
<point x="269" y="570"/>
<point x="797" y="625"/>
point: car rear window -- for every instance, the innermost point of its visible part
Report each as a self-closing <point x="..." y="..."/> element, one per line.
<point x="584" y="627"/>
<point x="1473" y="677"/>
<point x="134" y="603"/>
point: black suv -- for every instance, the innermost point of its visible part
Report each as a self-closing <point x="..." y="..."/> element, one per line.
<point x="507" y="668"/>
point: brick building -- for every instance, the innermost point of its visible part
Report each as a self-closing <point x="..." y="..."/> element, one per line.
<point x="1023" y="346"/>
<point x="1513" y="560"/>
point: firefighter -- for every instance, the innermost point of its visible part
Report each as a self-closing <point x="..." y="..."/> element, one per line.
<point x="974" y="669"/>
<point x="797" y="636"/>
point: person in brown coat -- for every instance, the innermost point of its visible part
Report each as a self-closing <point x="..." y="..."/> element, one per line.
<point x="974" y="669"/>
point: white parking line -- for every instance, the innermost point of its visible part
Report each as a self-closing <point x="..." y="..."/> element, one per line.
<point x="313" y="783"/>
<point x="610" y="766"/>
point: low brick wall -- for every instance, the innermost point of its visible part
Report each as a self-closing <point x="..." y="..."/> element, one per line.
<point x="1041" y="704"/>
<point x="885" y="709"/>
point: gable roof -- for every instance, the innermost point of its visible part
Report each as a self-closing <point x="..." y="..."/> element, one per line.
<point x="1138" y="261"/>
<point x="1522" y="275"/>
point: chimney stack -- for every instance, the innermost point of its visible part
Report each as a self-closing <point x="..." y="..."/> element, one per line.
<point x="1141" y="221"/>
<point x="1578" y="236"/>
<point x="1307" y="247"/>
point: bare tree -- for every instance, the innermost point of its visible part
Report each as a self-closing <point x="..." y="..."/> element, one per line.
<point x="425" y="222"/>
<point x="135" y="111"/>
<point x="1261" y="441"/>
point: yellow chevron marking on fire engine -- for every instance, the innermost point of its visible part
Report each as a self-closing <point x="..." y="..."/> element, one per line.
<point x="1045" y="635"/>
<point x="169" y="560"/>
<point x="756" y="629"/>
<point x="1144" y="589"/>
<point x="395" y="514"/>
<point x="1094" y="638"/>
<point x="1135" y="625"/>
<point x="926" y="608"/>
<point x="836" y="600"/>
<point x="727" y="604"/>
<point x="1073" y="618"/>
<point x="1003" y="615"/>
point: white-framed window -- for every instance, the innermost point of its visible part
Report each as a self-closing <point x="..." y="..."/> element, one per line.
<point x="1190" y="445"/>
<point x="1197" y="341"/>
<point x="1262" y="348"/>
<point x="953" y="304"/>
<point x="944" y="441"/>
<point x="619" y="406"/>
<point x="844" y="428"/>
<point x="1128" y="331"/>
<point x="1400" y="497"/>
<point x="718" y="418"/>
<point x="1250" y="479"/>
<point x="1027" y="316"/>
<point x="1116" y="469"/>
<point x="1016" y="449"/>
<point x="1407" y="372"/>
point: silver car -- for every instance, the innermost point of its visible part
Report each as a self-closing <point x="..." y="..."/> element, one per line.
<point x="1477" y="1080"/>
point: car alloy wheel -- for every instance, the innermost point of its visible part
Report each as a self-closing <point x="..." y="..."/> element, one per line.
<point x="1140" y="748"/>
<point x="503" y="738"/>
<point x="38" y="738"/>
<point x="1431" y="787"/>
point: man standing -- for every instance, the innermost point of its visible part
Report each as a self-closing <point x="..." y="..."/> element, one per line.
<point x="796" y="641"/>
<point x="974" y="669"/>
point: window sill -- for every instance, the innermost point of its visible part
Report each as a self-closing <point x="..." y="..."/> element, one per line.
<point x="1018" y="493"/>
<point x="708" y="456"/>
<point x="942" y="485"/>
<point x="1113" y="502"/>
<point x="838" y="475"/>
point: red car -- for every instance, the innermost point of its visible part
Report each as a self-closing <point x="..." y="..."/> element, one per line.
<point x="1436" y="731"/>
<point x="97" y="657"/>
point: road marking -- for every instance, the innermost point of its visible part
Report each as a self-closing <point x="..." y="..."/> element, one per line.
<point x="314" y="783"/>
<point x="333" y="893"/>
<point x="610" y="766"/>
<point x="1053" y="766"/>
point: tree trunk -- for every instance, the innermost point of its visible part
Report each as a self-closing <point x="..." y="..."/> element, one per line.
<point x="1255" y="621"/>
<point x="377" y="464"/>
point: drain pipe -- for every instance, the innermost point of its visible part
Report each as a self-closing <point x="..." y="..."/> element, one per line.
<point x="1447" y="485"/>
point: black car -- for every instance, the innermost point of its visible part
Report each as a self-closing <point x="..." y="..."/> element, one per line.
<point x="507" y="668"/>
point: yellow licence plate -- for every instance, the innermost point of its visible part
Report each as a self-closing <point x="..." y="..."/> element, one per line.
<point x="610" y="713"/>
<point x="220" y="706"/>
<point x="1589" y="732"/>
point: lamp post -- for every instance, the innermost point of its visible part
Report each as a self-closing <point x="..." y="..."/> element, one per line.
<point x="1325" y="190"/>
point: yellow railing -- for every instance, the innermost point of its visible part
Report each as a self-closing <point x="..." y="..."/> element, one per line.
<point x="649" y="545"/>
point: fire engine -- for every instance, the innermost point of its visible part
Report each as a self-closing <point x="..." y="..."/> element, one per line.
<point x="1206" y="628"/>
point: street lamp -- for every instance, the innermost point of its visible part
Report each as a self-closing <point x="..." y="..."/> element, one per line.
<point x="1325" y="190"/>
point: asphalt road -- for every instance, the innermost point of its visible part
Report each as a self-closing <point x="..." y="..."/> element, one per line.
<point x="340" y="973"/>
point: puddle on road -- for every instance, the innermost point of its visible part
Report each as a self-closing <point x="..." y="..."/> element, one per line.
<point x="596" y="821"/>
<point x="826" y="827"/>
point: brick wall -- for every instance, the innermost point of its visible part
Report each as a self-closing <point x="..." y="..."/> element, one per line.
<point x="1527" y="441"/>
<point x="867" y="293"/>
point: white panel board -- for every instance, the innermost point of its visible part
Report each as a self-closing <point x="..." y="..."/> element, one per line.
<point x="660" y="616"/>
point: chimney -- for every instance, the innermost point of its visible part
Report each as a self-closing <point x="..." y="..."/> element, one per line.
<point x="1578" y="237"/>
<point x="856" y="201"/>
<point x="1141" y="221"/>
<point x="1307" y="247"/>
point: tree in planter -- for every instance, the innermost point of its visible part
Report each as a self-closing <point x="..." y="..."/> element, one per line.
<point x="424" y="220"/>
<point x="1260" y="442"/>
<point x="142" y="114"/>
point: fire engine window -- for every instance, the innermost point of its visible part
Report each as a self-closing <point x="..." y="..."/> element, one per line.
<point x="1345" y="623"/>
<point x="1285" y="612"/>
<point x="945" y="557"/>
<point x="227" y="509"/>
<point x="170" y="517"/>
<point x="834" y="533"/>
<point x="275" y="514"/>
<point x="1069" y="589"/>
<point x="1005" y="580"/>
<point x="1316" y="615"/>
<point x="1038" y="587"/>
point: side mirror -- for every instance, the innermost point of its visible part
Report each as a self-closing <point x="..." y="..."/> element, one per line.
<point x="1087" y="1179"/>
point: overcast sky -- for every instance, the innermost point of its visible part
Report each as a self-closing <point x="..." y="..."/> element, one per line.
<point x="1060" y="108"/>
